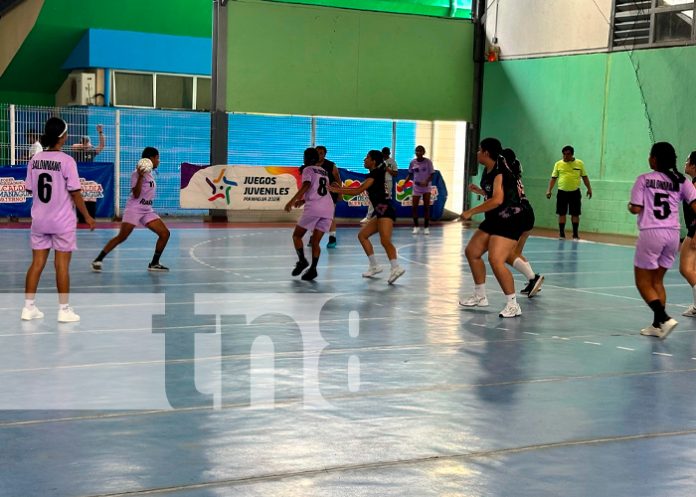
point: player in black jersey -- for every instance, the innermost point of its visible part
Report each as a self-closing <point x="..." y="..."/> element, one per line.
<point x="383" y="217"/>
<point x="687" y="253"/>
<point x="499" y="233"/>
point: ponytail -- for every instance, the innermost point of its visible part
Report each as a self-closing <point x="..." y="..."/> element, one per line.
<point x="54" y="130"/>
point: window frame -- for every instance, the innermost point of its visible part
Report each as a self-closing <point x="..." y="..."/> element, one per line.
<point x="194" y="93"/>
<point x="653" y="11"/>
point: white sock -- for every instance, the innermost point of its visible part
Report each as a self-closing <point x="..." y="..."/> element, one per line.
<point x="511" y="299"/>
<point x="394" y="263"/>
<point x="64" y="307"/>
<point x="693" y="290"/>
<point x="480" y="290"/>
<point x="29" y="303"/>
<point x="524" y="267"/>
<point x="332" y="233"/>
<point x="373" y="260"/>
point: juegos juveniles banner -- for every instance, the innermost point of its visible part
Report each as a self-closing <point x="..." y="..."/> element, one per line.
<point x="270" y="187"/>
<point x="96" y="178"/>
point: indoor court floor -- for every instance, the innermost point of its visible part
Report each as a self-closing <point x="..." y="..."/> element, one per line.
<point x="228" y="377"/>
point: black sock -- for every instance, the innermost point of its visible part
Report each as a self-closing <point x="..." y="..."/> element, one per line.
<point x="315" y="261"/>
<point x="155" y="258"/>
<point x="100" y="257"/>
<point x="427" y="223"/>
<point x="415" y="222"/>
<point x="659" y="310"/>
<point x="575" y="230"/>
<point x="300" y="254"/>
<point x="561" y="229"/>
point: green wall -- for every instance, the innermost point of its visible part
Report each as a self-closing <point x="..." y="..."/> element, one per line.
<point x="35" y="74"/>
<point x="298" y="59"/>
<point x="597" y="103"/>
<point x="438" y="8"/>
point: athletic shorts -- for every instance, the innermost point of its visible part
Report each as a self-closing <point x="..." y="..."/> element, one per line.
<point x="384" y="211"/>
<point x="507" y="228"/>
<point x="656" y="248"/>
<point x="527" y="219"/>
<point x="139" y="218"/>
<point x="568" y="201"/>
<point x="311" y="223"/>
<point x="63" y="242"/>
<point x="419" y="191"/>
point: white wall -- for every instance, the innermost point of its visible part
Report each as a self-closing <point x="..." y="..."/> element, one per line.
<point x="534" y="28"/>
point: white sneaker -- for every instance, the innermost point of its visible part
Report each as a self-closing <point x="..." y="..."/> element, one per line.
<point x="416" y="230"/>
<point x="690" y="312"/>
<point x="365" y="220"/>
<point x="426" y="231"/>
<point x="650" y="331"/>
<point x="371" y="271"/>
<point x="395" y="274"/>
<point x="511" y="310"/>
<point x="33" y="313"/>
<point x="96" y="266"/>
<point x="475" y="301"/>
<point x="67" y="316"/>
<point x="667" y="327"/>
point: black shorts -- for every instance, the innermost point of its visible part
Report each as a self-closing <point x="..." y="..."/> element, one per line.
<point x="507" y="228"/>
<point x="527" y="218"/>
<point x="384" y="210"/>
<point x="568" y="201"/>
<point x="691" y="231"/>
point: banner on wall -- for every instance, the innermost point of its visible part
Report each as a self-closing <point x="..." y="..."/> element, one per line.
<point x="237" y="187"/>
<point x="96" y="178"/>
<point x="402" y="195"/>
<point x="233" y="187"/>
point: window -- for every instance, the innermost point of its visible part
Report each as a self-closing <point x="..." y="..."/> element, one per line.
<point x="133" y="89"/>
<point x="174" y="92"/>
<point x="163" y="91"/>
<point x="203" y="93"/>
<point x="647" y="23"/>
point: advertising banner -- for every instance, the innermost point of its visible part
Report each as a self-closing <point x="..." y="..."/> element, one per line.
<point x="97" y="179"/>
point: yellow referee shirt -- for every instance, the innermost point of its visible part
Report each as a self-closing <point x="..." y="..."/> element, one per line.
<point x="569" y="174"/>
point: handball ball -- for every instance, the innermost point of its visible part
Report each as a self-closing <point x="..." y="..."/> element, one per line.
<point x="145" y="165"/>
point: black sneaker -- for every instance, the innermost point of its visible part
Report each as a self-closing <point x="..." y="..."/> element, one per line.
<point x="299" y="267"/>
<point x="310" y="274"/>
<point x="309" y="244"/>
<point x="332" y="242"/>
<point x="534" y="286"/>
<point x="157" y="268"/>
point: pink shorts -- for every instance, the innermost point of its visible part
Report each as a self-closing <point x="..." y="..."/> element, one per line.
<point x="419" y="191"/>
<point x="63" y="242"/>
<point x="656" y="248"/>
<point x="311" y="223"/>
<point x="139" y="218"/>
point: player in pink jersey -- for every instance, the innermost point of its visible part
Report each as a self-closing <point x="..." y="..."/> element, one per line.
<point x="655" y="198"/>
<point x="53" y="181"/>
<point x="421" y="169"/>
<point x="318" y="212"/>
<point x="139" y="212"/>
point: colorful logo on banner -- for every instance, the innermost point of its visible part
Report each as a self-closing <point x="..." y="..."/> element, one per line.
<point x="91" y="190"/>
<point x="404" y="192"/>
<point x="12" y="191"/>
<point x="219" y="185"/>
<point x="355" y="200"/>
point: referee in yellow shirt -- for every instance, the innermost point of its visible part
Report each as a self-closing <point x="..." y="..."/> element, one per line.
<point x="568" y="173"/>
